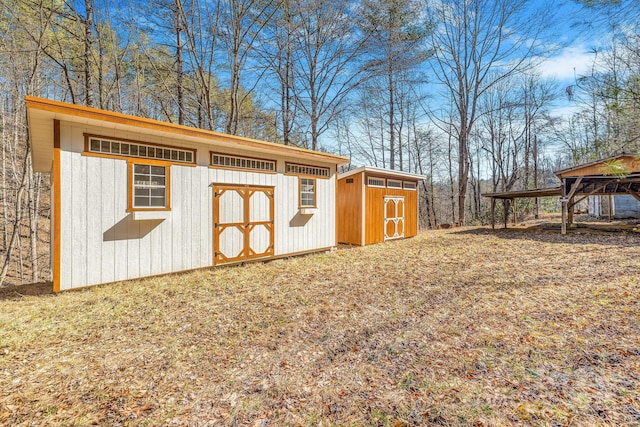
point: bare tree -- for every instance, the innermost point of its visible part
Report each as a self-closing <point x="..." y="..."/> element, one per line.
<point x="279" y="56"/>
<point x="244" y="21"/>
<point x="394" y="45"/>
<point x="326" y="65"/>
<point x="475" y="44"/>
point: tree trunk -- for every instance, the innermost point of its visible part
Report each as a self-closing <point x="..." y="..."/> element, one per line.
<point x="179" y="71"/>
<point x="535" y="173"/>
<point x="451" y="182"/>
<point x="392" y="138"/>
<point x="5" y="194"/>
<point x="88" y="25"/>
<point x="17" y="218"/>
<point x="34" y="196"/>
<point x="463" y="174"/>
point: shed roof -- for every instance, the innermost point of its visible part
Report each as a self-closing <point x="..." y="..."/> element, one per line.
<point x="41" y="112"/>
<point x="383" y="172"/>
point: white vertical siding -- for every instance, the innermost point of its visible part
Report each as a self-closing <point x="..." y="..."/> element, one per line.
<point x="66" y="208"/>
<point x="101" y="242"/>
<point x="79" y="177"/>
<point x="104" y="248"/>
<point x="119" y="228"/>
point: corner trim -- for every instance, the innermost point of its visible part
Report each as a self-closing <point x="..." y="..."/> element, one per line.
<point x="57" y="221"/>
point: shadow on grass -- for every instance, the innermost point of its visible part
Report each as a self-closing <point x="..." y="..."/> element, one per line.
<point x="617" y="238"/>
<point x="21" y="291"/>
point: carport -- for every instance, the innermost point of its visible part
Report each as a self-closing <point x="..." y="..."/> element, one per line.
<point x="508" y="198"/>
<point x="618" y="174"/>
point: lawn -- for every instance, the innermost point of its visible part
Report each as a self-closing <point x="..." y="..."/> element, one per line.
<point x="455" y="327"/>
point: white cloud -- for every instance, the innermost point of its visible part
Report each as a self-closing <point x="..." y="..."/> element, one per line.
<point x="571" y="62"/>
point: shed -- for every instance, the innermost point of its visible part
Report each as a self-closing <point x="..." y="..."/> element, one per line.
<point x="135" y="197"/>
<point x="375" y="205"/>
<point x="612" y="206"/>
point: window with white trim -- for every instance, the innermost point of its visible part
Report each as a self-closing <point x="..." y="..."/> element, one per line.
<point x="392" y="183"/>
<point x="149" y="186"/>
<point x="307" y="193"/>
<point x="375" y="182"/>
<point x="409" y="185"/>
<point x="296" y="169"/>
<point x="140" y="150"/>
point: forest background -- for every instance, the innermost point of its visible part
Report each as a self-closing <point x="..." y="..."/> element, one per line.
<point x="462" y="91"/>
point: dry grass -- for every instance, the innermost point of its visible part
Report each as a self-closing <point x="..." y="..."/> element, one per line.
<point x="449" y="328"/>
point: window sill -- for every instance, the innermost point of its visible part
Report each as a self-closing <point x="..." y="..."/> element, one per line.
<point x="151" y="215"/>
<point x="308" y="211"/>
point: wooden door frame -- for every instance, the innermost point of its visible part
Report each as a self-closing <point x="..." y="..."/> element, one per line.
<point x="395" y="219"/>
<point x="246" y="191"/>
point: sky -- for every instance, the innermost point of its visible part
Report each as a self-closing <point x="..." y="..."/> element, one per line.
<point x="580" y="32"/>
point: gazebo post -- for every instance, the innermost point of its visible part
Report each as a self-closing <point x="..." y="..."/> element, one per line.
<point x="505" y="215"/>
<point x="570" y="208"/>
<point x="493" y="213"/>
<point x="569" y="199"/>
<point x="513" y="203"/>
<point x="563" y="200"/>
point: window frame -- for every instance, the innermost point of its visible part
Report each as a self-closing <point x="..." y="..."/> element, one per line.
<point x="384" y="182"/>
<point x="245" y="158"/>
<point x="404" y="185"/>
<point x="131" y="185"/>
<point x="398" y="183"/>
<point x="289" y="165"/>
<point x="315" y="193"/>
<point x="87" y="151"/>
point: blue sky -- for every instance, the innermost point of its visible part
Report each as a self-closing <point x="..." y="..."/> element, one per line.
<point x="580" y="31"/>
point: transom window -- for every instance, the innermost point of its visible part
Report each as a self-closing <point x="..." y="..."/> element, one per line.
<point x="296" y="169"/>
<point x="392" y="183"/>
<point x="149" y="186"/>
<point x="239" y="162"/>
<point x="408" y="185"/>
<point x="375" y="182"/>
<point x="307" y="193"/>
<point x="140" y="150"/>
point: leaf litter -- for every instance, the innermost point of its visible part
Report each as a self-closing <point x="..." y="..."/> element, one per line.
<point x="454" y="327"/>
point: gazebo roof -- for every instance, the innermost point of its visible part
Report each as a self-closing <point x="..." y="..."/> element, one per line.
<point x="619" y="164"/>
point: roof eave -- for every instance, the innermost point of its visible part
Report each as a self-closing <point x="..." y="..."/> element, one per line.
<point x="381" y="171"/>
<point x="61" y="110"/>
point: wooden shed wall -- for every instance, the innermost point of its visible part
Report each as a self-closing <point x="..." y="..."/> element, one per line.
<point x="101" y="242"/>
<point x="630" y="164"/>
<point x="349" y="210"/>
<point x="374" y="222"/>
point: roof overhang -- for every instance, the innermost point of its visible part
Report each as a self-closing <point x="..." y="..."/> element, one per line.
<point x="587" y="186"/>
<point x="538" y="192"/>
<point x="388" y="173"/>
<point x="42" y="112"/>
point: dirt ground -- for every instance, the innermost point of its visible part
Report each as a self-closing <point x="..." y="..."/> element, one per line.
<point x="455" y="327"/>
<point x="21" y="291"/>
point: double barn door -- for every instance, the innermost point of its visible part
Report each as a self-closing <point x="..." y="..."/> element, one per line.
<point x="243" y="223"/>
